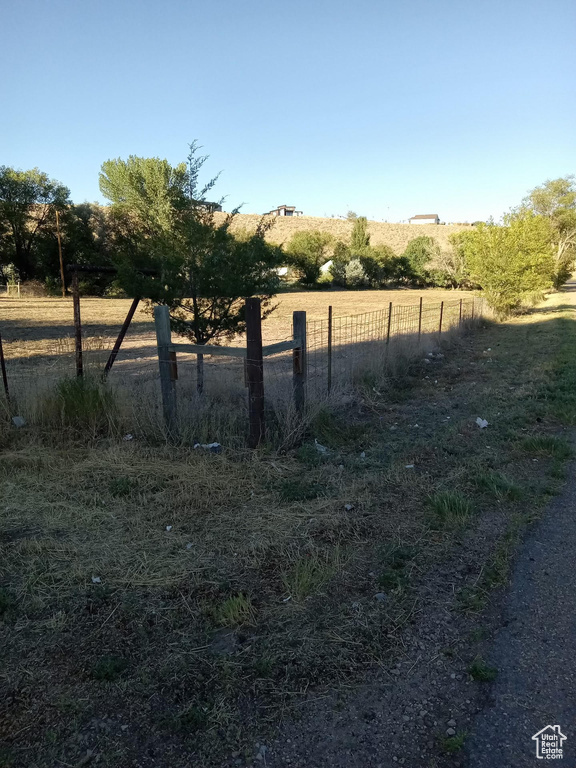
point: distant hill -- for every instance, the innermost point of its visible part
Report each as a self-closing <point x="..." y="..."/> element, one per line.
<point x="397" y="236"/>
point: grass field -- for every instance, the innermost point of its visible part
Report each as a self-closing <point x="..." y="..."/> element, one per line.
<point x="32" y="322"/>
<point x="161" y="605"/>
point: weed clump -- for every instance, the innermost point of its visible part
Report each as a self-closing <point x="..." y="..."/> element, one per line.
<point x="449" y="509"/>
<point x="81" y="405"/>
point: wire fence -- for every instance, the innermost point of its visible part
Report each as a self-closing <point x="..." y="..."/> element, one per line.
<point x="338" y="350"/>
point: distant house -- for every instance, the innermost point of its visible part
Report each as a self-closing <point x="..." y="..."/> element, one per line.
<point x="284" y="210"/>
<point x="425" y="218"/>
<point x="212" y="206"/>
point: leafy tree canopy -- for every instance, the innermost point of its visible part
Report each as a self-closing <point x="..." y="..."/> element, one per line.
<point x="163" y="223"/>
<point x="28" y="201"/>
<point x="360" y="238"/>
<point x="556" y="201"/>
<point x="514" y="264"/>
<point x="307" y="251"/>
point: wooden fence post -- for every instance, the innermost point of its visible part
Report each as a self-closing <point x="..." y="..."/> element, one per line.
<point x="460" y="316"/>
<point x="120" y="339"/>
<point x="255" y="372"/>
<point x="329" y="348"/>
<point x="77" y="324"/>
<point x="165" y="363"/>
<point x="420" y="320"/>
<point x="473" y="303"/>
<point x="3" y="366"/>
<point x="299" y="361"/>
<point x="441" y="315"/>
<point x="389" y="322"/>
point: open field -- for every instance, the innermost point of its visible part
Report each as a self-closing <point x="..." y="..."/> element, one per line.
<point x="39" y="350"/>
<point x="39" y="320"/>
<point x="161" y="605"/>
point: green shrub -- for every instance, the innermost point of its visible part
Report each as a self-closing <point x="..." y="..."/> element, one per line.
<point x="81" y="404"/>
<point x="306" y="252"/>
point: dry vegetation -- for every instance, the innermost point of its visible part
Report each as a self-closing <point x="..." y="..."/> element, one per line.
<point x="165" y="605"/>
<point x="397" y="236"/>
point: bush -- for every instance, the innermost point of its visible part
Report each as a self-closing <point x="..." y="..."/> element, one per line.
<point x="418" y="254"/>
<point x="355" y="274"/>
<point x="307" y="251"/>
<point x="340" y="259"/>
<point x="513" y="263"/>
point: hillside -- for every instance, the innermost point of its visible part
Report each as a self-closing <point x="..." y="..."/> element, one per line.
<point x="397" y="236"/>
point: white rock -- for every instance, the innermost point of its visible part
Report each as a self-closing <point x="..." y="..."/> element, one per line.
<point x="482" y="423"/>
<point x="18" y="421"/>
<point x="96" y="580"/>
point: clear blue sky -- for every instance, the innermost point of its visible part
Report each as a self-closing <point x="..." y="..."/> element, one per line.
<point x="386" y="108"/>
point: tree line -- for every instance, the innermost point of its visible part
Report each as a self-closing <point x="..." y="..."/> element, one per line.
<point x="159" y="220"/>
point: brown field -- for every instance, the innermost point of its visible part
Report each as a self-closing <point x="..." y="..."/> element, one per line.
<point x="29" y="326"/>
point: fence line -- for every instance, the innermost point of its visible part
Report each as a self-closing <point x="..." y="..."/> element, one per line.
<point x="317" y="357"/>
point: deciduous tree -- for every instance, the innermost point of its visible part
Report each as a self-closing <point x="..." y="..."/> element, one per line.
<point x="163" y="223"/>
<point x="28" y="201"/>
<point x="556" y="201"/>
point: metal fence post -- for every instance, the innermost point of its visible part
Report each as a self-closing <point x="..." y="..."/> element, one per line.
<point x="165" y="363"/>
<point x="441" y="315"/>
<point x="120" y="339"/>
<point x="460" y="316"/>
<point x="420" y="320"/>
<point x="3" y="367"/>
<point x="77" y="324"/>
<point x="389" y="322"/>
<point x="329" y="348"/>
<point x="255" y="372"/>
<point x="299" y="361"/>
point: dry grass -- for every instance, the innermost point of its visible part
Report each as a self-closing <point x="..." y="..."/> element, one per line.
<point x="197" y="597"/>
<point x="39" y="321"/>
<point x="40" y="355"/>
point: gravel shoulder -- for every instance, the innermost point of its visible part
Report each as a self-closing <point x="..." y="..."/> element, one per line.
<point x="535" y="650"/>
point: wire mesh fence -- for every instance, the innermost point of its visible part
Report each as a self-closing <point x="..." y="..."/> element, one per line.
<point x="338" y="349"/>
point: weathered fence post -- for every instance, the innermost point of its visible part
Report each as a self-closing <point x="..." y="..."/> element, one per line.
<point x="329" y="348"/>
<point x="420" y="320"/>
<point x="299" y="361"/>
<point x="460" y="316"/>
<point x="3" y="366"/>
<point x="473" y="304"/>
<point x="255" y="372"/>
<point x="62" y="276"/>
<point x="120" y="339"/>
<point x="165" y="363"/>
<point x="77" y="324"/>
<point x="441" y="315"/>
<point x="389" y="322"/>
